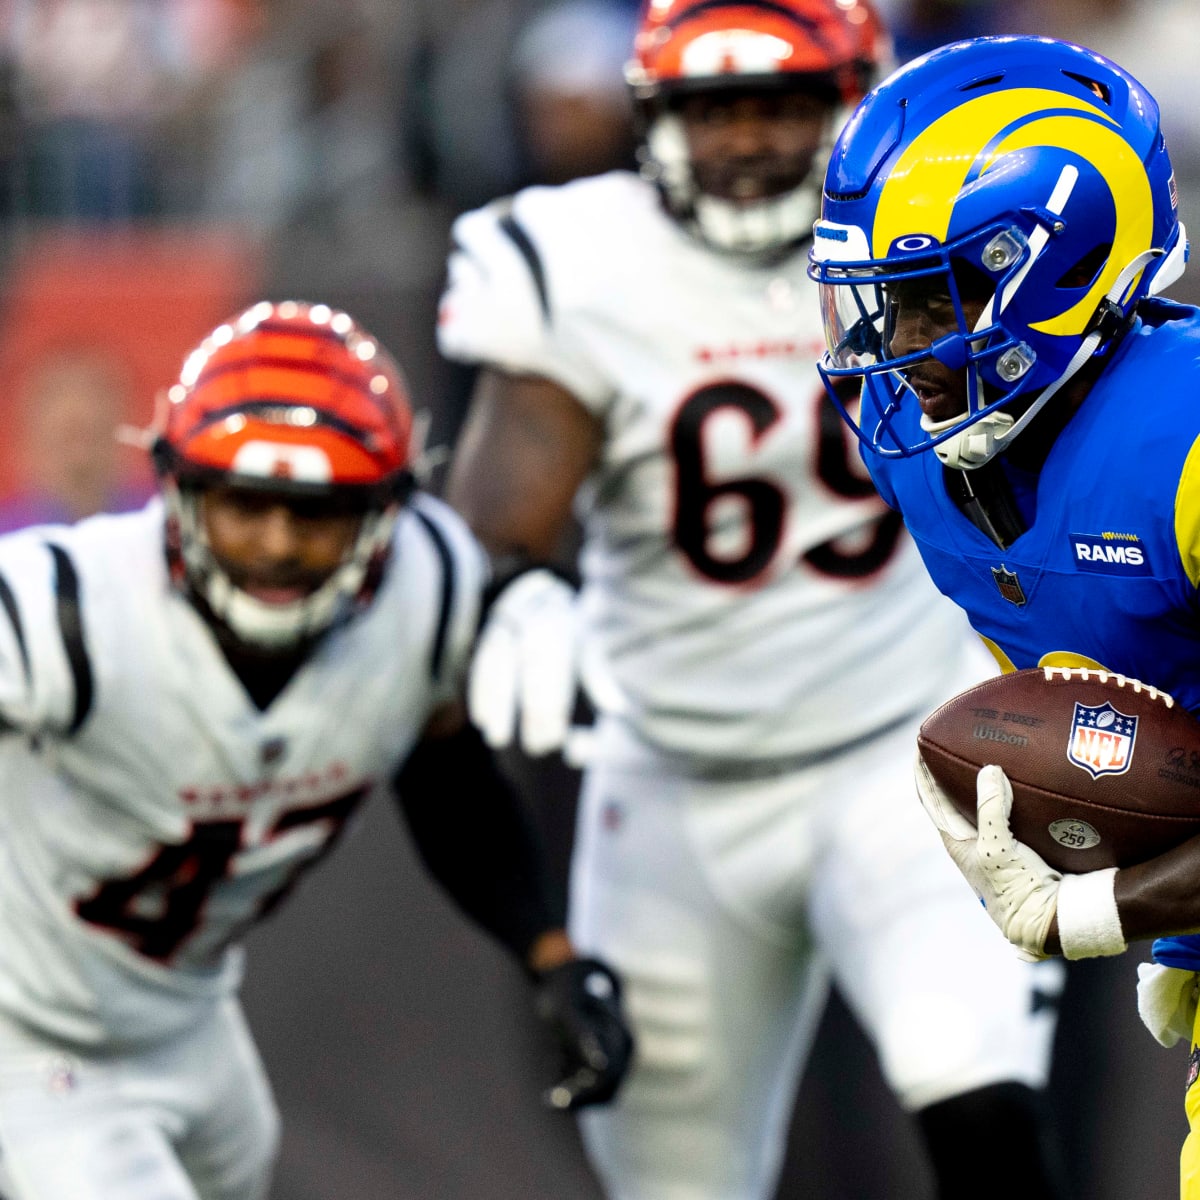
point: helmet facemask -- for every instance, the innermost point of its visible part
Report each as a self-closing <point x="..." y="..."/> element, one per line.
<point x="764" y="228"/>
<point x="266" y="627"/>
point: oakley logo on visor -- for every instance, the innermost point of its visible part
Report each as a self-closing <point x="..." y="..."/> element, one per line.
<point x="912" y="243"/>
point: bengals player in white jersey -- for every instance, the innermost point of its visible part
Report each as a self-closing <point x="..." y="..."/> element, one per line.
<point x="754" y="627"/>
<point x="198" y="698"/>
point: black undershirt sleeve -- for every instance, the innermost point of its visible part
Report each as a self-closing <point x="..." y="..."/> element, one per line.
<point x="476" y="839"/>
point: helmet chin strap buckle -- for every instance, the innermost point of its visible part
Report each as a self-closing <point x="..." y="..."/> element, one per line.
<point x="974" y="445"/>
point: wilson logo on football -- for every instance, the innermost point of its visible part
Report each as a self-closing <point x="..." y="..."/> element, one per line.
<point x="1101" y="739"/>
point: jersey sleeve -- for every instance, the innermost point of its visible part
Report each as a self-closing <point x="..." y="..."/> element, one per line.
<point x="464" y="572"/>
<point x="1187" y="514"/>
<point x="41" y="620"/>
<point x="501" y="305"/>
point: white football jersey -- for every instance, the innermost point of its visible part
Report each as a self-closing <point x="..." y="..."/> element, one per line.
<point x="152" y="812"/>
<point x="748" y="595"/>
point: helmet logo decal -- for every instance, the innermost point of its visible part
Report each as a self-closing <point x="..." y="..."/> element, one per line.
<point x="735" y="51"/>
<point x="931" y="175"/>
<point x="281" y="460"/>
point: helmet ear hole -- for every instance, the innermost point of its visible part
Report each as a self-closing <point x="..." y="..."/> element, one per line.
<point x="161" y="456"/>
<point x="1085" y="270"/>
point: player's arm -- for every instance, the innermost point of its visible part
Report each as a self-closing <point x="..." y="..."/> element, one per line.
<point x="1161" y="896"/>
<point x="475" y="838"/>
<point x="525" y="449"/>
<point x="527" y="446"/>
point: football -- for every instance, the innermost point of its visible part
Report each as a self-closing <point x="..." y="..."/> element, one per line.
<point x="1105" y="770"/>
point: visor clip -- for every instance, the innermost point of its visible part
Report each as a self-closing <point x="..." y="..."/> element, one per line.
<point x="1052" y="222"/>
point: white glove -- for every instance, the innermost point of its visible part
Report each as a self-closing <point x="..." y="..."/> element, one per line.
<point x="525" y="665"/>
<point x="1019" y="890"/>
<point x="958" y="834"/>
<point x="1166" y="998"/>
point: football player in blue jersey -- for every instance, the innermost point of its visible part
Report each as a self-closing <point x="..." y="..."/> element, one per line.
<point x="998" y="218"/>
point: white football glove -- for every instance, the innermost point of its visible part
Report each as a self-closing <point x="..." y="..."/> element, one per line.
<point x="1019" y="890"/>
<point x="958" y="834"/>
<point x="523" y="675"/>
<point x="1166" y="998"/>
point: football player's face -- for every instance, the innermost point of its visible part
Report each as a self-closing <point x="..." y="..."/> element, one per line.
<point x="747" y="146"/>
<point x="919" y="312"/>
<point x="277" y="549"/>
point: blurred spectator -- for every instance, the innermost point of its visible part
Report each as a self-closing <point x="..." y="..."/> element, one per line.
<point x="93" y="82"/>
<point x="69" y="459"/>
<point x="573" y="112"/>
<point x="921" y="25"/>
<point x="303" y="134"/>
<point x="515" y="94"/>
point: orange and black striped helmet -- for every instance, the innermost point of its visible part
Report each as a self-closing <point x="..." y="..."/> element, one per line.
<point x="294" y="397"/>
<point x="697" y="45"/>
<point x="832" y="50"/>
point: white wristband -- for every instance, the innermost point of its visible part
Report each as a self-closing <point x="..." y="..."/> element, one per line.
<point x="1088" y="923"/>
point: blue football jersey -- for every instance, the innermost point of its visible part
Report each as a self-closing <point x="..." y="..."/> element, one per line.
<point x="1106" y="574"/>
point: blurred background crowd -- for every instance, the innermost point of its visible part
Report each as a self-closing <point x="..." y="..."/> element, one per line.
<point x="164" y="161"/>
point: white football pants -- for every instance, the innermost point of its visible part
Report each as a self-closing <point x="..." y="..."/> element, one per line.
<point x="726" y="906"/>
<point x="190" y="1118"/>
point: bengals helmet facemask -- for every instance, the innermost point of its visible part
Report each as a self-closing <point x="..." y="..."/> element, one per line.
<point x="830" y="50"/>
<point x="295" y="400"/>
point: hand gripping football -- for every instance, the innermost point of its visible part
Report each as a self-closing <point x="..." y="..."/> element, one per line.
<point x="1105" y="771"/>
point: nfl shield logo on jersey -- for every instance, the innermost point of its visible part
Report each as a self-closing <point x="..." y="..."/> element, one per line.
<point x="1101" y="739"/>
<point x="1009" y="585"/>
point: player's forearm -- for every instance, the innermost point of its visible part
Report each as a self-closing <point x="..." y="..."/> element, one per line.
<point x="476" y="840"/>
<point x="525" y="449"/>
<point x="1161" y="896"/>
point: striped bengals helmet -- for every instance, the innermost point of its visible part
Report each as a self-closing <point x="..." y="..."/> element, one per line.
<point x="295" y="399"/>
<point x="833" y="49"/>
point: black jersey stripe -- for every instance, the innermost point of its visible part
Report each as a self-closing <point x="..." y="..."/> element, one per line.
<point x="517" y="234"/>
<point x="449" y="586"/>
<point x="70" y="625"/>
<point x="9" y="601"/>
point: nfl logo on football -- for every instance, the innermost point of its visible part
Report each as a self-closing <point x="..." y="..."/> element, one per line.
<point x="1101" y="739"/>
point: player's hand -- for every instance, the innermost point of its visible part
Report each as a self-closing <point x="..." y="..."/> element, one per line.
<point x="580" y="1001"/>
<point x="958" y="834"/>
<point x="1166" y="999"/>
<point x="523" y="675"/>
<point x="1019" y="891"/>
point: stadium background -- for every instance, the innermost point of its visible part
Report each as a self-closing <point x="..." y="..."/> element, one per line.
<point x="164" y="161"/>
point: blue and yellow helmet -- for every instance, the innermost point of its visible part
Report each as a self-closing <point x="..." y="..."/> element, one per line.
<point x="1036" y="165"/>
